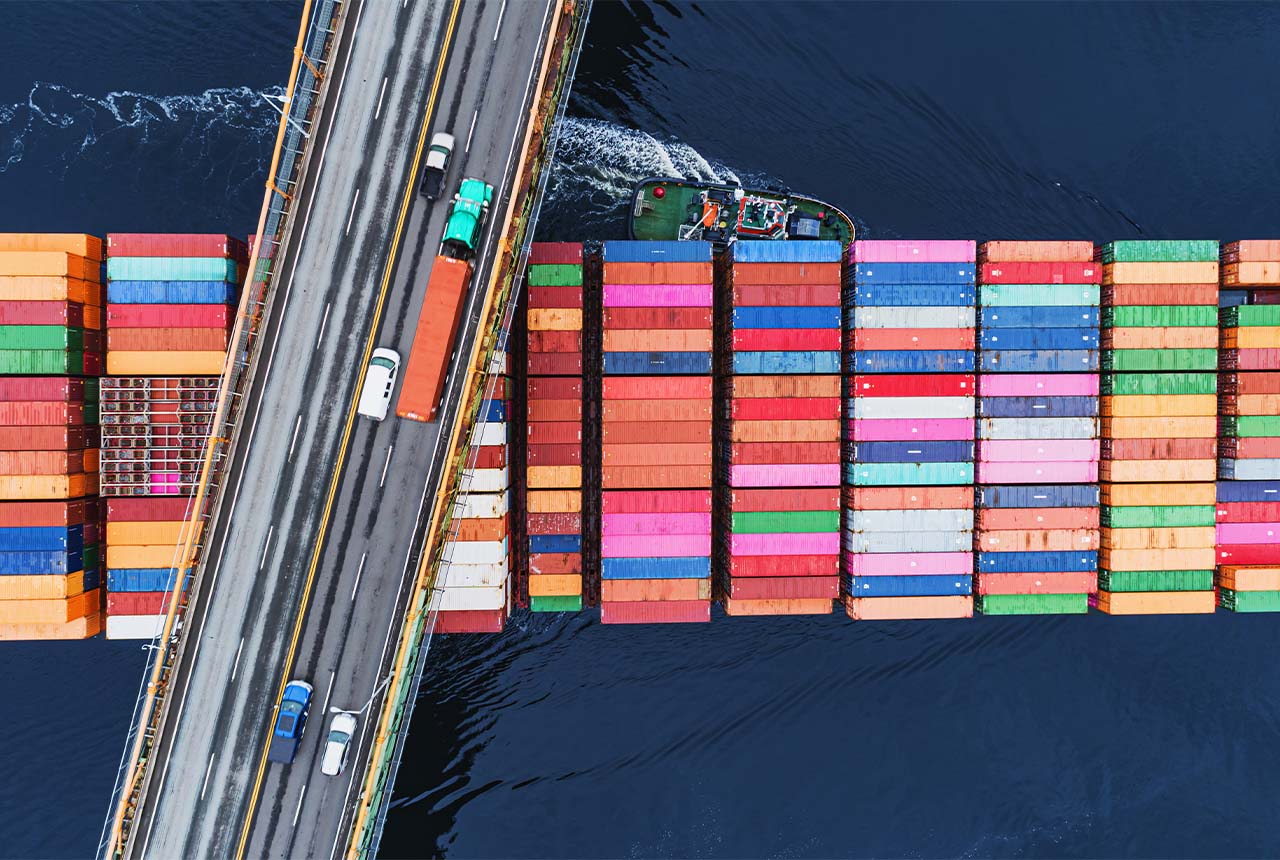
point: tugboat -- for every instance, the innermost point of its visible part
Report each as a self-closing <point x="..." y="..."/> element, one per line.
<point x="664" y="208"/>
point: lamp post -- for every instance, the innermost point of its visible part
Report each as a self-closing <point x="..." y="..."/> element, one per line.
<point x="336" y="710"/>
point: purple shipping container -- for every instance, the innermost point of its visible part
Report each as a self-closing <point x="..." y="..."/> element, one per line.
<point x="655" y="524"/>
<point x="786" y="475"/>
<point x="799" y="543"/>
<point x="1065" y="472"/>
<point x="898" y="251"/>
<point x="655" y="546"/>
<point x="908" y="563"/>
<point x="657" y="295"/>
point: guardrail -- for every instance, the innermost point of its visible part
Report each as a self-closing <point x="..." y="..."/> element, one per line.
<point x="317" y="34"/>
<point x="559" y="63"/>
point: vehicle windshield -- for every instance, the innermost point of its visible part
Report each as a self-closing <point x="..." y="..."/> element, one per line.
<point x="337" y="737"/>
<point x="382" y="362"/>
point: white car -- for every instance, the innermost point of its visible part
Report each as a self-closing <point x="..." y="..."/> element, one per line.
<point x="379" y="383"/>
<point x="341" y="730"/>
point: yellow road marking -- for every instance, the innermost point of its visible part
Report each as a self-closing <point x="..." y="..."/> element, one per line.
<point x="351" y="414"/>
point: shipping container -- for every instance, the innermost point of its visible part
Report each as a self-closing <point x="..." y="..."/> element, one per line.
<point x="433" y="344"/>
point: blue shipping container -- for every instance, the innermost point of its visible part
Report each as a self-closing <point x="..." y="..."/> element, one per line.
<point x="823" y="316"/>
<point x="688" y="567"/>
<point x="38" y="563"/>
<point x="913" y="452"/>
<point x="143" y="578"/>
<point x="657" y="363"/>
<point x="657" y="252"/>
<point x="811" y="251"/>
<point x="928" y="585"/>
<point x="1039" y="317"/>
<point x="1066" y="561"/>
<point x="915" y="273"/>
<point x="1037" y="407"/>
<point x="1040" y="361"/>
<point x="1249" y="491"/>
<point x="54" y="538"/>
<point x="910" y="361"/>
<point x="916" y="295"/>
<point x="171" y="293"/>
<point x="555" y="543"/>
<point x="493" y="410"/>
<point x="1039" y="496"/>
<point x="786" y="362"/>
<point x="1040" y="338"/>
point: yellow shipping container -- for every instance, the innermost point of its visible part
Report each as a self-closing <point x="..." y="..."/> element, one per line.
<point x="48" y="486"/>
<point x="1157" y="559"/>
<point x="1249" y="578"/>
<point x="1180" y="537"/>
<point x="51" y="611"/>
<point x="1157" y="602"/>
<point x="1152" y="337"/>
<point x="79" y="628"/>
<point x="554" y="501"/>
<point x="1149" y="471"/>
<point x="27" y="288"/>
<point x="141" y="533"/>
<point x="1198" y="427"/>
<point x="80" y="244"/>
<point x="159" y="363"/>
<point x="153" y="555"/>
<point x="1159" y="405"/>
<point x="43" y="587"/>
<point x="555" y="319"/>
<point x="50" y="264"/>
<point x="1256" y="273"/>
<point x="1132" y="495"/>
<point x="553" y="477"/>
<point x="1252" y="337"/>
<point x="1160" y="273"/>
<point x="555" y="585"/>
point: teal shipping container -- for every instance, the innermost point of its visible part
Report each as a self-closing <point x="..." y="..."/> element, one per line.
<point x="171" y="269"/>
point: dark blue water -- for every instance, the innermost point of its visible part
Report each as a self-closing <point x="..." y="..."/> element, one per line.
<point x="753" y="737"/>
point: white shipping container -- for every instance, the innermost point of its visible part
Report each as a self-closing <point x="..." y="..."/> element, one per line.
<point x="489" y="433"/>
<point x="134" y="626"/>
<point x="1037" y="428"/>
<point x="913" y="317"/>
<point x="486" y="480"/>
<point x="498" y="364"/>
<point x="911" y="407"/>
<point x="473" y="575"/>
<point x="1261" y="469"/>
<point x="947" y="519"/>
<point x="481" y="506"/>
<point x="475" y="551"/>
<point x="951" y="541"/>
<point x="454" y="599"/>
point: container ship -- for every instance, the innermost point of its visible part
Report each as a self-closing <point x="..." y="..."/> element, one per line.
<point x="664" y="208"/>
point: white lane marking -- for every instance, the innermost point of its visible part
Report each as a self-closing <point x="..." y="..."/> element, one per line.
<point x="204" y="786"/>
<point x="217" y="566"/>
<point x="297" y="425"/>
<point x="324" y="709"/>
<point x="383" y="479"/>
<point x="472" y="131"/>
<point x="382" y="92"/>
<point x="266" y="546"/>
<point x="298" y="811"/>
<point x="501" y="10"/>
<point x="359" y="570"/>
<point x="236" y="667"/>
<point x="328" y="306"/>
<point x="354" y="201"/>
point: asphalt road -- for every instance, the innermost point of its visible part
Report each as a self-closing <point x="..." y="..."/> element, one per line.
<point x="210" y="780"/>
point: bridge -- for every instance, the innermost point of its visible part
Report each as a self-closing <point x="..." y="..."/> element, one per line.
<point x="314" y="537"/>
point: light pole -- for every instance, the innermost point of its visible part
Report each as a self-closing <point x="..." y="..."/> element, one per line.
<point x="336" y="710"/>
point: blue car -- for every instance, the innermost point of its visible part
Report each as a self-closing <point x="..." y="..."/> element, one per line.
<point x="291" y="719"/>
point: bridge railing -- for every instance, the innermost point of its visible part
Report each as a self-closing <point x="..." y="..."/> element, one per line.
<point x="299" y="110"/>
<point x="559" y="63"/>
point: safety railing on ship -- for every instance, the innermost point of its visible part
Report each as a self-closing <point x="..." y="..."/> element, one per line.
<point x="299" y="110"/>
<point x="558" y="65"/>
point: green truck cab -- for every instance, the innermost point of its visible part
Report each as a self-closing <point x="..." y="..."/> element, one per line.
<point x="466" y="219"/>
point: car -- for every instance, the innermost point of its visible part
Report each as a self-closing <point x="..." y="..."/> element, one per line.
<point x="466" y="218"/>
<point x="341" y="730"/>
<point x="291" y="719"/>
<point x="437" y="165"/>
<point x="379" y="383"/>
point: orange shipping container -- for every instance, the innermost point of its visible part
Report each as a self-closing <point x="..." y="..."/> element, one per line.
<point x="658" y="340"/>
<point x="638" y="432"/>
<point x="1001" y="519"/>
<point x="657" y="453"/>
<point x="1245" y="578"/>
<point x="34" y="288"/>
<point x="890" y="608"/>
<point x="158" y="363"/>
<point x="92" y="316"/>
<point x="778" y="606"/>
<point x="1161" y="294"/>
<point x="51" y="611"/>
<point x="1038" y="540"/>
<point x="1163" y="405"/>
<point x="168" y="339"/>
<point x="1160" y="273"/>
<point x="44" y="587"/>
<point x="1252" y="250"/>
<point x="656" y="410"/>
<point x="1156" y="602"/>
<point x="657" y="273"/>
<point x="554" y="502"/>
<point x="615" y="590"/>
<point x="1183" y="537"/>
<point x="656" y="387"/>
<point x="1157" y="559"/>
<point x="150" y="555"/>
<point x="48" y="486"/>
<point x="778" y="274"/>
<point x="433" y="341"/>
<point x="80" y="628"/>
<point x="49" y="264"/>
<point x="555" y="585"/>
<point x="1251" y="274"/>
<point x="908" y="498"/>
<point x="784" y="386"/>
<point x="554" y="410"/>
<point x="1257" y="404"/>
<point x="79" y="244"/>
<point x="1155" y="337"/>
<point x="1148" y="471"/>
<point x="1134" y="495"/>
<point x="481" y="529"/>
<point x="1198" y="427"/>
<point x="789" y="431"/>
<point x="43" y="462"/>
<point x="655" y="477"/>
<point x="1251" y="337"/>
<point x="553" y="477"/>
<point x="1036" y="252"/>
<point x="143" y="533"/>
<point x="555" y="319"/>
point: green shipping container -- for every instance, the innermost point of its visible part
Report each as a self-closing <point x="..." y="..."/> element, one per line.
<point x="1249" y="601"/>
<point x="171" y="269"/>
<point x="1251" y="426"/>
<point x="1155" y="580"/>
<point x="562" y="603"/>
<point x="1129" y="360"/>
<point x="1159" y="517"/>
<point x="91" y="557"/>
<point x="1160" y="383"/>
<point x="1161" y="251"/>
<point x="41" y="362"/>
<point x="560" y="275"/>
<point x="1250" y="315"/>
<point x="1040" y="295"/>
<point x="1164" y="316"/>
<point x="1032" y="604"/>
<point x="41" y="337"/>
<point x="785" y="522"/>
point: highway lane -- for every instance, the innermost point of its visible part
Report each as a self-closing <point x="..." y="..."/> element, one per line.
<point x="387" y="485"/>
<point x="297" y="412"/>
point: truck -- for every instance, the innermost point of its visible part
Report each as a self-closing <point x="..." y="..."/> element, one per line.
<point x="466" y="218"/>
<point x="291" y="719"/>
<point x="437" y="165"/>
<point x="427" y="367"/>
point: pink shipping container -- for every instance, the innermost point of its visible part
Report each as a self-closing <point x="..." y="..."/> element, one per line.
<point x="168" y="316"/>
<point x="897" y="251"/>
<point x="1229" y="533"/>
<point x="175" y="245"/>
<point x="796" y="475"/>
<point x="1038" y="385"/>
<point x="655" y="524"/>
<point x="657" y="295"/>
<point x="1065" y="472"/>
<point x="655" y="612"/>
<point x="908" y="563"/>
<point x="797" y="543"/>
<point x="50" y="388"/>
<point x="909" y="429"/>
<point x="1041" y="273"/>
<point x="654" y="546"/>
<point x="1037" y="450"/>
<point x="668" y="501"/>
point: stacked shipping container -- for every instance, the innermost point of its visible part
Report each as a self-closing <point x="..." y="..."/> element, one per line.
<point x="1159" y="420"/>
<point x="779" y="453"/>
<point x="908" y="532"/>
<point x="655" y="525"/>
<point x="1038" y="447"/>
<point x="553" y="453"/>
<point x="143" y="536"/>
<point x="1248" y="514"/>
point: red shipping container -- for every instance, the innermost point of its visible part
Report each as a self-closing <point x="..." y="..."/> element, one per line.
<point x="912" y="385"/>
<point x="43" y="514"/>
<point x="93" y="364"/>
<point x="1005" y="519"/>
<point x="657" y="387"/>
<point x="63" y="389"/>
<point x="555" y="562"/>
<point x="555" y="389"/>
<point x="643" y="319"/>
<point x="657" y="273"/>
<point x="1159" y="449"/>
<point x="1249" y="553"/>
<point x="1251" y="448"/>
<point x="554" y="523"/>
<point x="766" y="408"/>
<point x="42" y="313"/>
<point x="554" y="410"/>
<point x="910" y="338"/>
<point x="783" y="453"/>
<point x="1160" y="294"/>
<point x="787" y="273"/>
<point x="661" y="502"/>
<point x="1255" y="382"/>
<point x="47" y="462"/>
<point x="138" y="602"/>
<point x="176" y="245"/>
<point x="1038" y="583"/>
<point x="40" y="413"/>
<point x="767" y="587"/>
<point x="555" y="254"/>
<point x="471" y="621"/>
<point x="800" y="499"/>
<point x="168" y="316"/>
<point x="491" y="457"/>
<point x="553" y="455"/>
<point x="555" y="364"/>
<point x="784" y="565"/>
<point x="1040" y="273"/>
<point x="147" y="510"/>
<point x="778" y="339"/>
<point x="555" y="297"/>
<point x="48" y="438"/>
<point x="555" y="433"/>
<point x="555" y="341"/>
<point x="1034" y="252"/>
<point x="656" y="611"/>
<point x="908" y="498"/>
<point x="794" y="295"/>
<point x="640" y="432"/>
<point x="1249" y="512"/>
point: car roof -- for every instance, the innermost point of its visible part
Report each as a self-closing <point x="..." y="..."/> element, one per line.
<point x="442" y="138"/>
<point x="344" y="722"/>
